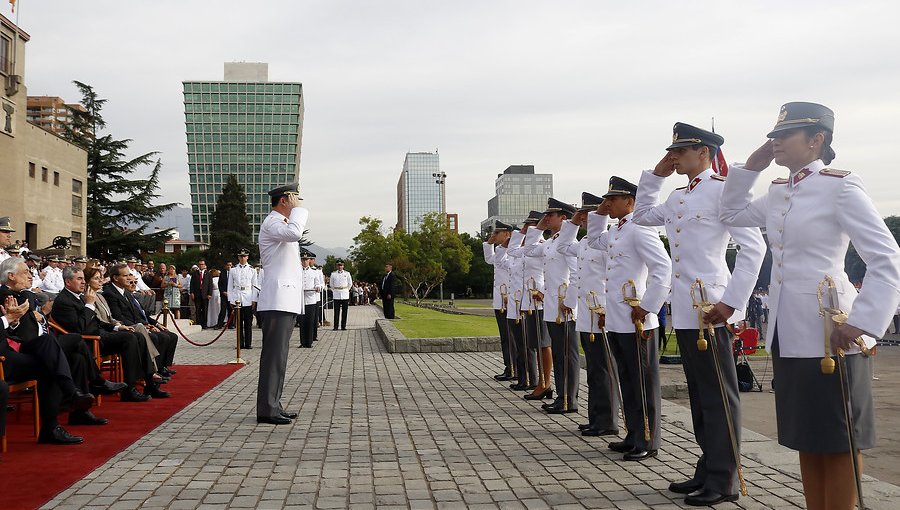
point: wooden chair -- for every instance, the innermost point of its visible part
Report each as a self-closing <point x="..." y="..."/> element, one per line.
<point x="21" y="388"/>
<point x="111" y="363"/>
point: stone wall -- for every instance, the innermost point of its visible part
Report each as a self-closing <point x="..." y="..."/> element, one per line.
<point x="395" y="342"/>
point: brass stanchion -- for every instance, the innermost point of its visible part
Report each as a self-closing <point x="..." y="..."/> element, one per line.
<point x="165" y="312"/>
<point x="237" y="328"/>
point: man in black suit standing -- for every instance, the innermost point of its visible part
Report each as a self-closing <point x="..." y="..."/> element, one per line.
<point x="386" y="291"/>
<point x="74" y="310"/>
<point x="225" y="309"/>
<point x="199" y="278"/>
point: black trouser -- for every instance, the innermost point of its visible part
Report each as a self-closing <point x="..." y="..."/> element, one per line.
<point x="246" y="327"/>
<point x="388" y="305"/>
<point x="44" y="360"/>
<point x="308" y="325"/>
<point x="225" y="310"/>
<point x="165" y="342"/>
<point x="502" y="326"/>
<point x="81" y="361"/>
<point x="716" y="468"/>
<point x="131" y="349"/>
<point x="625" y="349"/>
<point x="603" y="397"/>
<point x="340" y="312"/>
<point x="526" y="361"/>
<point x="566" y="366"/>
<point x="200" y="309"/>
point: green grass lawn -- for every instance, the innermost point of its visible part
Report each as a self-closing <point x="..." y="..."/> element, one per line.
<point x="422" y="323"/>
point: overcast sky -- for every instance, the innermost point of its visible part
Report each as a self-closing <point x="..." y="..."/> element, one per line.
<point x="582" y="90"/>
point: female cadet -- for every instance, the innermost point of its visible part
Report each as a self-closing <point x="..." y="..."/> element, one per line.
<point x="810" y="217"/>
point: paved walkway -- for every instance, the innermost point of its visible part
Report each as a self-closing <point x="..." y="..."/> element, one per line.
<point x="403" y="431"/>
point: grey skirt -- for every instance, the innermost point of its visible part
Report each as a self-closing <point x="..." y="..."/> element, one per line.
<point x="810" y="409"/>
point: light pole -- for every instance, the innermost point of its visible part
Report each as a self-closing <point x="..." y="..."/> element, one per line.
<point x="440" y="178"/>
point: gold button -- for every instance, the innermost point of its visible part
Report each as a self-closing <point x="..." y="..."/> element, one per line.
<point x="677" y="245"/>
<point x="677" y="275"/>
<point x="677" y="259"/>
<point x="779" y="280"/>
<point x="679" y="216"/>
<point x="681" y="201"/>
<point x="678" y="229"/>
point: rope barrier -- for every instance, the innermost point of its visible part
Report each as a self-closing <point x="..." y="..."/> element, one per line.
<point x="188" y="340"/>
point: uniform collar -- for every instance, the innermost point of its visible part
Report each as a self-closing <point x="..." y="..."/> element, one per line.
<point x="702" y="176"/>
<point x="798" y="176"/>
<point x="624" y="220"/>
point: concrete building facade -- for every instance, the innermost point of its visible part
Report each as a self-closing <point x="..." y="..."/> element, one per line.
<point x="518" y="190"/>
<point x="44" y="176"/>
<point x="247" y="126"/>
<point x="420" y="189"/>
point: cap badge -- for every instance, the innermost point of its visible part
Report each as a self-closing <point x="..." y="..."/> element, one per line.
<point x="674" y="137"/>
<point x="782" y="114"/>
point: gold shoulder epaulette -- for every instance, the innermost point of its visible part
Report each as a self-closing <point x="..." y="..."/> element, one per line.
<point x="831" y="172"/>
<point x="780" y="180"/>
<point x="717" y="177"/>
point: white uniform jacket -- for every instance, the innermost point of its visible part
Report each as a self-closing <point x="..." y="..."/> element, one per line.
<point x="587" y="283"/>
<point x="53" y="281"/>
<point x="557" y="268"/>
<point x="242" y="285"/>
<point x="311" y="287"/>
<point x="633" y="252"/>
<point x="515" y="271"/>
<point x="141" y="285"/>
<point x="698" y="241"/>
<point x="810" y="219"/>
<point x="532" y="267"/>
<point x="279" y="254"/>
<point x="493" y="255"/>
<point x="340" y="282"/>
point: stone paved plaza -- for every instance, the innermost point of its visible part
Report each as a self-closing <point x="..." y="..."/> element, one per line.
<point x="407" y="431"/>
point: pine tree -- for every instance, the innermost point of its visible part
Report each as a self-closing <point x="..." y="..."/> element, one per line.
<point x="229" y="229"/>
<point x="114" y="199"/>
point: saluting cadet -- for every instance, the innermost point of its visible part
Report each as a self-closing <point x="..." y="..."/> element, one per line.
<point x="340" y="282"/>
<point x="698" y="242"/>
<point x="560" y="319"/>
<point x="6" y="231"/>
<point x="280" y="299"/>
<point x="532" y="310"/>
<point x="309" y="321"/>
<point x="636" y="265"/>
<point x="242" y="287"/>
<point x="493" y="254"/>
<point x="587" y="290"/>
<point x="810" y="217"/>
<point x="525" y="357"/>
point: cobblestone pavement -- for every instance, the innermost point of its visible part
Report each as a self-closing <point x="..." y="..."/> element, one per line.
<point x="408" y="431"/>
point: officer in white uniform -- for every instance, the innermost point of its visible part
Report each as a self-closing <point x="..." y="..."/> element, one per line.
<point x="560" y="319"/>
<point x="586" y="289"/>
<point x="53" y="281"/>
<point x="633" y="253"/>
<point x="6" y="231"/>
<point x="532" y="310"/>
<point x="698" y="242"/>
<point x="280" y="298"/>
<point x="321" y="298"/>
<point x="810" y="218"/>
<point x="494" y="255"/>
<point x="340" y="282"/>
<point x="242" y="288"/>
<point x="309" y="321"/>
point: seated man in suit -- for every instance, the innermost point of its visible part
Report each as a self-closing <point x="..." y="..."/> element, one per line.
<point x="32" y="356"/>
<point x="74" y="310"/>
<point x="125" y="309"/>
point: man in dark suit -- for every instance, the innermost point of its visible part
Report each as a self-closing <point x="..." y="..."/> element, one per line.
<point x="386" y="291"/>
<point x="200" y="285"/>
<point x="39" y="357"/>
<point x="125" y="309"/>
<point x="73" y="310"/>
<point x="225" y="308"/>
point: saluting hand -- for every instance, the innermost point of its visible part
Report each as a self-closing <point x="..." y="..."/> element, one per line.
<point x="580" y="218"/>
<point x="666" y="166"/>
<point x="761" y="157"/>
<point x="844" y="337"/>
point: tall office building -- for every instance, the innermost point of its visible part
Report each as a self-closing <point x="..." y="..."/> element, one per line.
<point x="420" y="189"/>
<point x="518" y="191"/>
<point x="247" y="126"/>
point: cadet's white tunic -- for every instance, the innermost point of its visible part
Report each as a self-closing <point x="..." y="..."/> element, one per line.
<point x="280" y="257"/>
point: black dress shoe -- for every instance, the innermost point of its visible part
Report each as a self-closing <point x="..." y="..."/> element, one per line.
<point x="562" y="410"/>
<point x="548" y="393"/>
<point x="132" y="395"/>
<point x="505" y="376"/>
<point x="168" y="372"/>
<point x="155" y="392"/>
<point x="639" y="455"/>
<point x="708" y="498"/>
<point x="290" y="415"/>
<point x="597" y="431"/>
<point x="518" y="387"/>
<point x="685" y="487"/>
<point x="273" y="420"/>
<point x="620" y="447"/>
<point x="58" y="435"/>
<point x="584" y="426"/>
<point x="86" y="418"/>
<point x="555" y="403"/>
<point x="78" y="401"/>
<point x="107" y="387"/>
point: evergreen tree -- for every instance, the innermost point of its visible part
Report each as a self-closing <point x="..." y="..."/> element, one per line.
<point x="115" y="200"/>
<point x="229" y="229"/>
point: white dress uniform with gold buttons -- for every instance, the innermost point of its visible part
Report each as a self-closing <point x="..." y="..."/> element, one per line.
<point x="340" y="282"/>
<point x="532" y="267"/>
<point x="280" y="257"/>
<point x="242" y="284"/>
<point x="557" y="269"/>
<point x="698" y="241"/>
<point x="810" y="219"/>
<point x="53" y="281"/>
<point x="494" y="256"/>
<point x="634" y="253"/>
<point x="587" y="281"/>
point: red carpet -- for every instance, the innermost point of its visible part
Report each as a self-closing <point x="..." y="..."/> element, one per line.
<point x="32" y="474"/>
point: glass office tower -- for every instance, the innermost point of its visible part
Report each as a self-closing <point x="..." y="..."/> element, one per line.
<point x="246" y="126"/>
<point x="420" y="189"/>
<point x="518" y="191"/>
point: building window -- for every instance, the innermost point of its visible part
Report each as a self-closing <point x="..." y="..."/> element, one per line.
<point x="56" y="178"/>
<point x="76" y="187"/>
<point x="76" y="239"/>
<point x="44" y="173"/>
<point x="76" y="205"/>
<point x="169" y="248"/>
<point x="31" y="170"/>
<point x="5" y="50"/>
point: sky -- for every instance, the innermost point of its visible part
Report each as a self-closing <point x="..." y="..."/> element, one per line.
<point x="582" y="90"/>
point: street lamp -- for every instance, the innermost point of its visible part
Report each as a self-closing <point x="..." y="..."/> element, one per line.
<point x="440" y="178"/>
